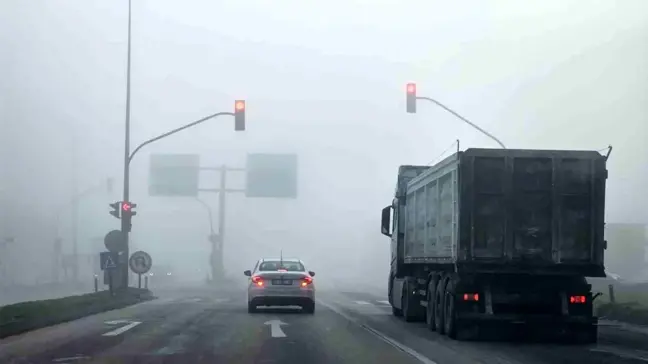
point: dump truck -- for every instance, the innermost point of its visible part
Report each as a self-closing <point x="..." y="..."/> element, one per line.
<point x="504" y="236"/>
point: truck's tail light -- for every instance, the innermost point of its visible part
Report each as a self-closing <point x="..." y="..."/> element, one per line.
<point x="577" y="299"/>
<point x="306" y="281"/>
<point x="471" y="297"/>
<point x="257" y="280"/>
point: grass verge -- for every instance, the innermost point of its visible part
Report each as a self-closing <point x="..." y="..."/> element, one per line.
<point x="630" y="304"/>
<point x="630" y="312"/>
<point x="26" y="316"/>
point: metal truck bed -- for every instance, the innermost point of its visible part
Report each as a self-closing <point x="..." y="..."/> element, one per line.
<point x="530" y="209"/>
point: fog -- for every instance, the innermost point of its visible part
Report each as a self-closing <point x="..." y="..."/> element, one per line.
<point x="324" y="81"/>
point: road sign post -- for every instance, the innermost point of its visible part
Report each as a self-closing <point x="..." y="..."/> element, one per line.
<point x="109" y="262"/>
<point x="140" y="262"/>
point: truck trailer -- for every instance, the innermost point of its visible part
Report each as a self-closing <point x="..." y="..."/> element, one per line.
<point x="505" y="236"/>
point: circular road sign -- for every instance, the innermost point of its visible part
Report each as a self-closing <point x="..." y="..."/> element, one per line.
<point x="115" y="241"/>
<point x="140" y="262"/>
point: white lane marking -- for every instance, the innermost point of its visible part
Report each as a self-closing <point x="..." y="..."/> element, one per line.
<point x="418" y="356"/>
<point x="122" y="329"/>
<point x="384" y="302"/>
<point x="78" y="357"/>
<point x="116" y="322"/>
<point x="362" y="302"/>
<point x="275" y="328"/>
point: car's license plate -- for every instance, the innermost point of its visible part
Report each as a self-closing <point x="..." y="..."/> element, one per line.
<point x="284" y="282"/>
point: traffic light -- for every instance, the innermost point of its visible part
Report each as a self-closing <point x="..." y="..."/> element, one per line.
<point x="116" y="212"/>
<point x="128" y="211"/>
<point x="411" y="98"/>
<point x="239" y="115"/>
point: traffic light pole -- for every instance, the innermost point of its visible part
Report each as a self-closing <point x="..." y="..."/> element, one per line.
<point x="126" y="195"/>
<point x="125" y="222"/>
<point x="239" y="115"/>
<point x="462" y="119"/>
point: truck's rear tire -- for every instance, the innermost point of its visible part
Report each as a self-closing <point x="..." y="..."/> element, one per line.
<point x="429" y="310"/>
<point x="439" y="303"/>
<point x="582" y="335"/>
<point x="449" y="314"/>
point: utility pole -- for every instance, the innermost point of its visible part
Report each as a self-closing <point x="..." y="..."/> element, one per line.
<point x="75" y="208"/>
<point x="218" y="240"/>
<point x="57" y="260"/>
<point x="221" y="220"/>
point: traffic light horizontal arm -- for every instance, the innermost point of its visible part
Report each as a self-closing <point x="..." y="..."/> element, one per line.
<point x="229" y="169"/>
<point x="462" y="119"/>
<point x="227" y="190"/>
<point x="130" y="158"/>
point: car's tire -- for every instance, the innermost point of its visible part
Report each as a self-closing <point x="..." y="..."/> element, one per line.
<point x="309" y="308"/>
<point x="251" y="308"/>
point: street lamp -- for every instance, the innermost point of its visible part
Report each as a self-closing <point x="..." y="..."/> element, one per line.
<point x="411" y="108"/>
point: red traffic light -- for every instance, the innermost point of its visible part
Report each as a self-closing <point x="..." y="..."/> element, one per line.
<point x="411" y="98"/>
<point x="411" y="88"/>
<point x="239" y="105"/>
<point x="239" y="115"/>
<point x="126" y="206"/>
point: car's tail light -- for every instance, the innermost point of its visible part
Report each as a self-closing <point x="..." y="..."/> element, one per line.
<point x="257" y="280"/>
<point x="471" y="297"/>
<point x="306" y="281"/>
<point x="577" y="299"/>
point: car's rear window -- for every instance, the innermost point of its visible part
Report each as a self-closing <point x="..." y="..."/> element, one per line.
<point x="276" y="265"/>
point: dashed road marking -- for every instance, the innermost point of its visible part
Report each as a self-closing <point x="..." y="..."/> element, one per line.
<point x="402" y="347"/>
<point x="71" y="358"/>
<point x="122" y="329"/>
<point x="362" y="302"/>
<point x="384" y="303"/>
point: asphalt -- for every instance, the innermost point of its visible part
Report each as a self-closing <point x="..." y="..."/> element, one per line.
<point x="204" y="325"/>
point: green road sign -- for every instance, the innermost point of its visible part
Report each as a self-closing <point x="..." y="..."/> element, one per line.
<point x="174" y="175"/>
<point x="271" y="175"/>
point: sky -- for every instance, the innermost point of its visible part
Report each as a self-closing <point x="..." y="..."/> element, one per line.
<point x="323" y="80"/>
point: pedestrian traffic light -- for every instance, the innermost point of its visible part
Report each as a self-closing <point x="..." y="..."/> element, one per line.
<point x="239" y="115"/>
<point x="411" y="98"/>
<point x="116" y="206"/>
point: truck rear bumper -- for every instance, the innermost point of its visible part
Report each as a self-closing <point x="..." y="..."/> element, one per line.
<point x="543" y="320"/>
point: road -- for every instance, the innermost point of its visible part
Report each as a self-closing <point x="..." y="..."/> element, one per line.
<point x="200" y="325"/>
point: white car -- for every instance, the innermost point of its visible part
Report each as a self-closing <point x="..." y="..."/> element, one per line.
<point x="281" y="282"/>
